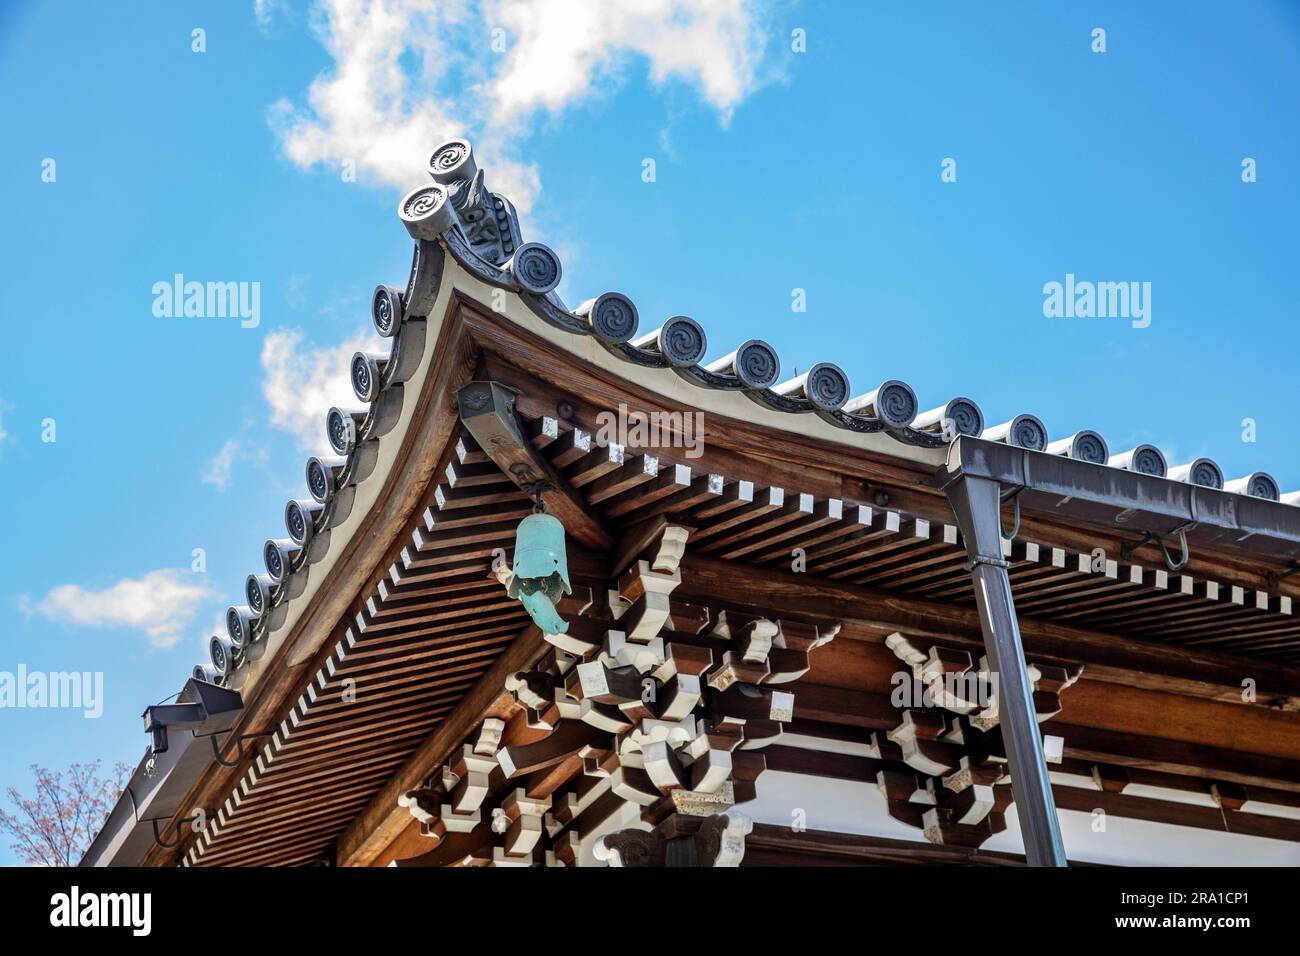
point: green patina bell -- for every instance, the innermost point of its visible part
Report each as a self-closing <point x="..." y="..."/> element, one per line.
<point x="541" y="570"/>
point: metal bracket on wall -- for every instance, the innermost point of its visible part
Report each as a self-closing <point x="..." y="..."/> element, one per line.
<point x="1275" y="578"/>
<point x="157" y="837"/>
<point x="239" y="748"/>
<point x="533" y="489"/>
<point x="1127" y="550"/>
<point x="1014" y="497"/>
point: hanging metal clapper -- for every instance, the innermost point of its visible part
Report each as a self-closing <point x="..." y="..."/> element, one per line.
<point x="239" y="748"/>
<point x="1127" y="550"/>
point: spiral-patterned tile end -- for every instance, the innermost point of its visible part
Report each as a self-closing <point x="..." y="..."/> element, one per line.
<point x="255" y="594"/>
<point x="341" y="430"/>
<point x="298" y="522"/>
<point x="274" y="561"/>
<point x="386" y="310"/>
<point x="1205" y="473"/>
<point x="426" y="212"/>
<point x="536" y="268"/>
<point x="320" y="482"/>
<point x="220" y="659"/>
<point x="682" y="341"/>
<point x="966" y="417"/>
<point x="1148" y="460"/>
<point x="757" y="364"/>
<point x="235" y="627"/>
<point x="1028" y="432"/>
<point x="896" y="404"/>
<point x="613" y="318"/>
<point x="1089" y="446"/>
<point x="826" y="386"/>
<point x="1262" y="485"/>
<point x="365" y="377"/>
<point x="451" y="161"/>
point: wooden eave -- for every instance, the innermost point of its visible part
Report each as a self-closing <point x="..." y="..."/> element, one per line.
<point x="924" y="593"/>
<point x="545" y="384"/>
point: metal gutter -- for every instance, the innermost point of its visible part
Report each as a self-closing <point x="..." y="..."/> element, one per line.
<point x="1057" y="487"/>
<point x="162" y="780"/>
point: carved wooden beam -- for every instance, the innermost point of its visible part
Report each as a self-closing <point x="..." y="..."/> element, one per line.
<point x="960" y="790"/>
<point x="950" y="678"/>
<point x="638" y="711"/>
<point x="1109" y="778"/>
<point x="717" y="840"/>
<point x="452" y="799"/>
<point x="1229" y="796"/>
<point x="570" y="737"/>
<point x="488" y="411"/>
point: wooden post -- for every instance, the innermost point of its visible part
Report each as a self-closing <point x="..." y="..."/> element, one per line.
<point x="977" y="504"/>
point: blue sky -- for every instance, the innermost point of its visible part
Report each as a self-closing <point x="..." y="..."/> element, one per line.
<point x="774" y="170"/>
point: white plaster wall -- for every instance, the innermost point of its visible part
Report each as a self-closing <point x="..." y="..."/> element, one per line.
<point x="851" y="807"/>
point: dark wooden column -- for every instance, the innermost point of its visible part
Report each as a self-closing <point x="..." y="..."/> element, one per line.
<point x="977" y="504"/>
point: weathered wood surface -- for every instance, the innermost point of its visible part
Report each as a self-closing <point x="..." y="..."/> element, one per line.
<point x="1107" y="656"/>
<point x="362" y="563"/>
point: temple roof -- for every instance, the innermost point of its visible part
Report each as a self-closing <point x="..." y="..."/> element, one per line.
<point x="402" y="468"/>
<point x="481" y="231"/>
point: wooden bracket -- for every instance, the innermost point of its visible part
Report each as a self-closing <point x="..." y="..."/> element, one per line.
<point x="488" y="411"/>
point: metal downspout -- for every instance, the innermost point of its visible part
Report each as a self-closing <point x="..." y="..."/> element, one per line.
<point x="976" y="502"/>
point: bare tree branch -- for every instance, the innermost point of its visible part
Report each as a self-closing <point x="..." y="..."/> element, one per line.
<point x="57" y="824"/>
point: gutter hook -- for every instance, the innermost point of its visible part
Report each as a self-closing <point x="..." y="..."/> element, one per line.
<point x="1147" y="536"/>
<point x="1015" y="523"/>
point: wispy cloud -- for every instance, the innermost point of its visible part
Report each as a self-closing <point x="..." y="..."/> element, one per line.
<point x="161" y="603"/>
<point x="218" y="626"/>
<point x="301" y="381"/>
<point x="217" y="472"/>
<point x="266" y="11"/>
<point x="296" y="291"/>
<point x="409" y="74"/>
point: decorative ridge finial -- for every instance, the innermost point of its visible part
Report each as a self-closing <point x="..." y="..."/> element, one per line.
<point x="459" y="198"/>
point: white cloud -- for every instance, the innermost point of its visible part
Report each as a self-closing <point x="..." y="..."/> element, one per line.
<point x="5" y="408"/>
<point x="562" y="51"/>
<point x="162" y="603"/>
<point x="296" y="292"/>
<point x="369" y="110"/>
<point x="265" y="11"/>
<point x="218" y="626"/>
<point x="301" y="382"/>
<point x="217" y="472"/>
<point x="410" y="74"/>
